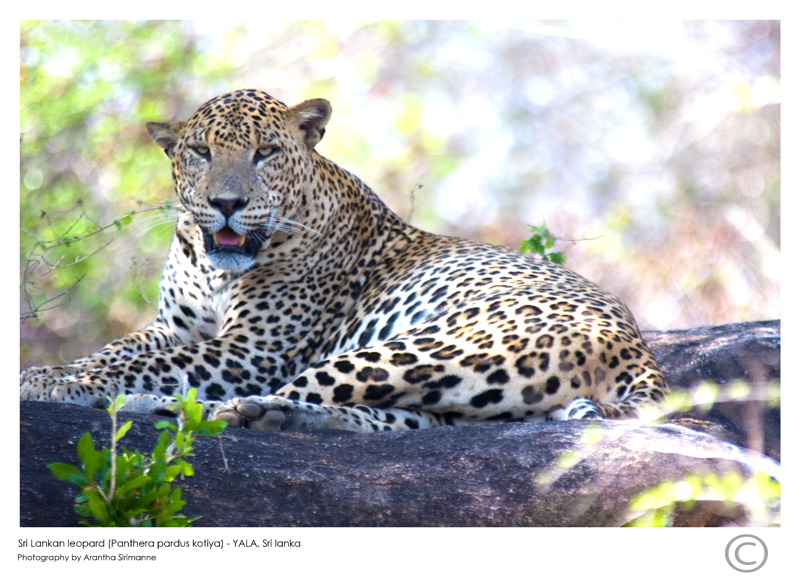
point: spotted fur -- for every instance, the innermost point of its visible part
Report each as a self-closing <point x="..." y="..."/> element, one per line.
<point x="292" y="298"/>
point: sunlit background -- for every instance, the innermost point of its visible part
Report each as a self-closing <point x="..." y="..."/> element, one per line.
<point x="652" y="148"/>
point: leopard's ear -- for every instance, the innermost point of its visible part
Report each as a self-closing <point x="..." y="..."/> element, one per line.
<point x="165" y="135"/>
<point x="308" y="120"/>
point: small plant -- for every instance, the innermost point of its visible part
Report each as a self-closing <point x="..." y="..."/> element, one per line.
<point x="540" y="241"/>
<point x="131" y="489"/>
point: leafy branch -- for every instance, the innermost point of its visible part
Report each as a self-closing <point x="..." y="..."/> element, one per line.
<point x="131" y="489"/>
<point x="38" y="264"/>
<point x="542" y="240"/>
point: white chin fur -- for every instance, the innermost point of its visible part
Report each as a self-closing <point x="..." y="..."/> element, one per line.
<point x="231" y="261"/>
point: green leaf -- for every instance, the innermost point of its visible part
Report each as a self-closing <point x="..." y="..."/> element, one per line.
<point x="123" y="429"/>
<point x="194" y="415"/>
<point x="211" y="427"/>
<point x="91" y="459"/>
<point x="126" y="468"/>
<point x="538" y="243"/>
<point x="160" y="449"/>
<point x="134" y="483"/>
<point x="179" y="442"/>
<point x="175" y="502"/>
<point x="171" y="472"/>
<point x="186" y="468"/>
<point x="68" y="472"/>
<point x="115" y="404"/>
<point x="86" y="447"/>
<point x="99" y="508"/>
<point x="157" y="470"/>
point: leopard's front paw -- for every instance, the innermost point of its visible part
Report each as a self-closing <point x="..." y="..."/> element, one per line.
<point x="37" y="383"/>
<point x="261" y="413"/>
<point x="62" y="385"/>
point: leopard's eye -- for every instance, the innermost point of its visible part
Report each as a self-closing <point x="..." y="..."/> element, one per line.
<point x="202" y="150"/>
<point x="264" y="153"/>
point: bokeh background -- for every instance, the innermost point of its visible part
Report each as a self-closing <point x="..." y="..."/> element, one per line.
<point x="652" y="148"/>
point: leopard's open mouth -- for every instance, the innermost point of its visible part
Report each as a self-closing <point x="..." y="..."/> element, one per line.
<point x="230" y="251"/>
<point x="229" y="237"/>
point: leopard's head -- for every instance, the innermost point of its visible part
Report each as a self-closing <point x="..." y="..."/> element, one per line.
<point x="241" y="166"/>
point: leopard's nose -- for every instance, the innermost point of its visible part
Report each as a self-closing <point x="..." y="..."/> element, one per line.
<point x="228" y="205"/>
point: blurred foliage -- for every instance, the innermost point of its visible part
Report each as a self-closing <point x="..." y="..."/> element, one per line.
<point x="86" y="90"/>
<point x="757" y="499"/>
<point x="659" y="144"/>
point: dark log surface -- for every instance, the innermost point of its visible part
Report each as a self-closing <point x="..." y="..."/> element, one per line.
<point x="546" y="474"/>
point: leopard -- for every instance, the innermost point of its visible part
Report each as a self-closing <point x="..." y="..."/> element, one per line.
<point x="293" y="299"/>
